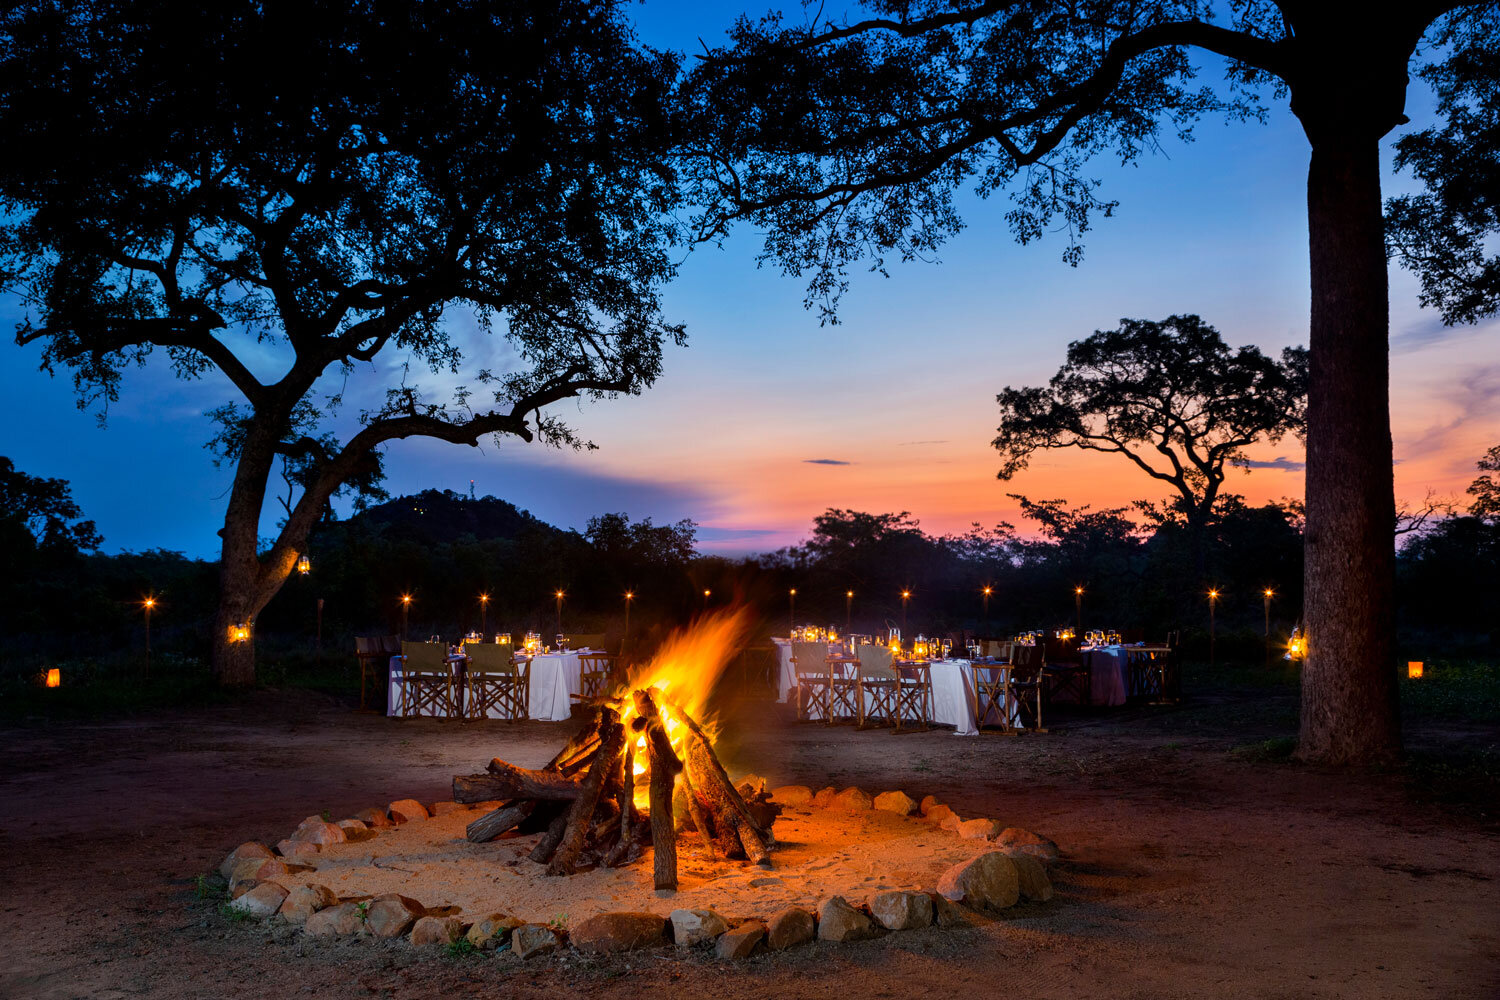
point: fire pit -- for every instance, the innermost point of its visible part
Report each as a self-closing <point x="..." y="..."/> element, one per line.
<point x="637" y="808"/>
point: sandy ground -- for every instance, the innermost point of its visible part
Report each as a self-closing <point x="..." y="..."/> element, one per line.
<point x="819" y="852"/>
<point x="1189" y="871"/>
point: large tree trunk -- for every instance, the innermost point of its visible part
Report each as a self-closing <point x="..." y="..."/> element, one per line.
<point x="240" y="591"/>
<point x="1349" y="706"/>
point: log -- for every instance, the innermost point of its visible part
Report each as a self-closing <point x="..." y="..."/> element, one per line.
<point x="493" y="824"/>
<point x="722" y="799"/>
<point x="627" y="805"/>
<point x="695" y="809"/>
<point x="716" y="775"/>
<point x="580" y="817"/>
<point x="542" y="852"/>
<point x="506" y="781"/>
<point x="664" y="766"/>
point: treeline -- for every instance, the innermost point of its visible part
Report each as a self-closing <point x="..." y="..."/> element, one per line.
<point x="1140" y="568"/>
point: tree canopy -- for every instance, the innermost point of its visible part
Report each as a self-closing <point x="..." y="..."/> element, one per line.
<point x="40" y="512"/>
<point x="341" y="230"/>
<point x="1170" y="396"/>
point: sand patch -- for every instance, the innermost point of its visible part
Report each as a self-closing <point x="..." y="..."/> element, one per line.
<point x="820" y="853"/>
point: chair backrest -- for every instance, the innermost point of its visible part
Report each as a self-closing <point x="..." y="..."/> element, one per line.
<point x="586" y="640"/>
<point x="810" y="657"/>
<point x="489" y="658"/>
<point x="876" y="663"/>
<point x="425" y="656"/>
<point x="996" y="649"/>
<point x="390" y="645"/>
<point x="365" y="644"/>
<point x="1026" y="657"/>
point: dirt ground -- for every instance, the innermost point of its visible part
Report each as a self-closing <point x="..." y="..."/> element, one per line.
<point x="1188" y="870"/>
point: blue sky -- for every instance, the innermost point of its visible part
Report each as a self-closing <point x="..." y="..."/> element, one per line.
<point x="899" y="397"/>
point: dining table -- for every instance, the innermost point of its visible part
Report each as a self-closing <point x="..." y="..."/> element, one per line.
<point x="952" y="694"/>
<point x="554" y="678"/>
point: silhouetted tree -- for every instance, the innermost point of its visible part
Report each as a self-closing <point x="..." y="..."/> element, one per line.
<point x="1485" y="489"/>
<point x="1170" y="396"/>
<point x="1446" y="234"/>
<point x="37" y="512"/>
<point x="847" y="139"/>
<point x="285" y="196"/>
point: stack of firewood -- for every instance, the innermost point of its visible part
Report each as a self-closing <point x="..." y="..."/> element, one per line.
<point x="583" y="801"/>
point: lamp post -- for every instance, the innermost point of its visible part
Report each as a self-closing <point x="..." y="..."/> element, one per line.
<point x="905" y="596"/>
<point x="559" y="595"/>
<point x="1268" y="593"/>
<point x="706" y="594"/>
<point x="792" y="608"/>
<point x="405" y="607"/>
<point x="1078" y="607"/>
<point x="147" y="605"/>
<point x="987" y="591"/>
<point x="1213" y="601"/>
<point x="484" y="614"/>
<point x="629" y="596"/>
<point x="848" y="609"/>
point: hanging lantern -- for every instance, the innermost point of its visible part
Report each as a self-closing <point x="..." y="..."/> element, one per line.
<point x="240" y="632"/>
<point x="304" y="565"/>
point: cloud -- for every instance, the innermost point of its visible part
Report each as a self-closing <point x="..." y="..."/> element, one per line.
<point x="706" y="534"/>
<point x="1428" y="330"/>
<point x="1280" y="462"/>
<point x="824" y="461"/>
<point x="908" y="444"/>
<point x="1477" y="397"/>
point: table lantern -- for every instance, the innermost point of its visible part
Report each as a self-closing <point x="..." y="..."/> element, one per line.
<point x="1414" y="668"/>
<point x="54" y="678"/>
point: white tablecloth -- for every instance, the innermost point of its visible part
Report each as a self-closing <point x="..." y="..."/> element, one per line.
<point x="1109" y="680"/>
<point x="952" y="699"/>
<point x="554" y="677"/>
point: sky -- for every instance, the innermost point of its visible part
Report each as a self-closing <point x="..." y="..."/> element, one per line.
<point x="766" y="418"/>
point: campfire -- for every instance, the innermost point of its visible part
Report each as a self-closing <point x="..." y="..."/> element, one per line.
<point x="640" y="771"/>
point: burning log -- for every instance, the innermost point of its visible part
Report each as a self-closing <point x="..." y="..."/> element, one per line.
<point x="664" y="765"/>
<point x="584" y="799"/>
<point x="611" y="742"/>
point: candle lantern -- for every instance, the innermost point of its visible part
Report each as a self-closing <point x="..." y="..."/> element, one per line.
<point x="304" y="565"/>
<point x="1414" y="668"/>
<point x="240" y="632"/>
<point x="54" y="678"/>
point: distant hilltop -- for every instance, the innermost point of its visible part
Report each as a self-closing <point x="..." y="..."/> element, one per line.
<point x="440" y="516"/>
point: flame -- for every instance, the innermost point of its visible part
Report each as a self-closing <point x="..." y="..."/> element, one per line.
<point x="685" y="670"/>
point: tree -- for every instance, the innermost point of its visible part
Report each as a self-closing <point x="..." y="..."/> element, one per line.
<point x="846" y="140"/>
<point x="1485" y="489"/>
<point x="1170" y="396"/>
<point x="281" y="195"/>
<point x="1445" y="234"/>
<point x="40" y="513"/>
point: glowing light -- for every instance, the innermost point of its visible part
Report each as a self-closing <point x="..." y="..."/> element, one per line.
<point x="405" y="599"/>
<point x="793" y="591"/>
<point x="1213" y="595"/>
<point x="240" y="632"/>
<point x="905" y="594"/>
<point x="1078" y="590"/>
<point x="707" y="592"/>
<point x="1413" y="668"/>
<point x="629" y="595"/>
<point x="149" y="603"/>
<point x="484" y="598"/>
<point x="304" y="565"/>
<point x="54" y="678"/>
<point x="988" y="591"/>
<point x="1269" y="592"/>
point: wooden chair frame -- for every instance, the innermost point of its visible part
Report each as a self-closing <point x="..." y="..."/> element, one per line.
<point x="992" y="692"/>
<point x="1023" y="688"/>
<point x="427" y="681"/>
<point x="596" y="672"/>
<point x="810" y="663"/>
<point x="876" y="687"/>
<point x="496" y="680"/>
<point x="914" y="696"/>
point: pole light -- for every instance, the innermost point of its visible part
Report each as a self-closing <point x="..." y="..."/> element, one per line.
<point x="559" y="595"/>
<point x="1213" y="603"/>
<point x="1078" y="609"/>
<point x="405" y="608"/>
<point x="629" y="596"/>
<point x="1268" y="593"/>
<point x="905" y="596"/>
<point x="706" y="595"/>
<point x="792" y="607"/>
<point x="848" y="609"/>
<point x="484" y="614"/>
<point x="147" y="605"/>
<point x="987" y="591"/>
